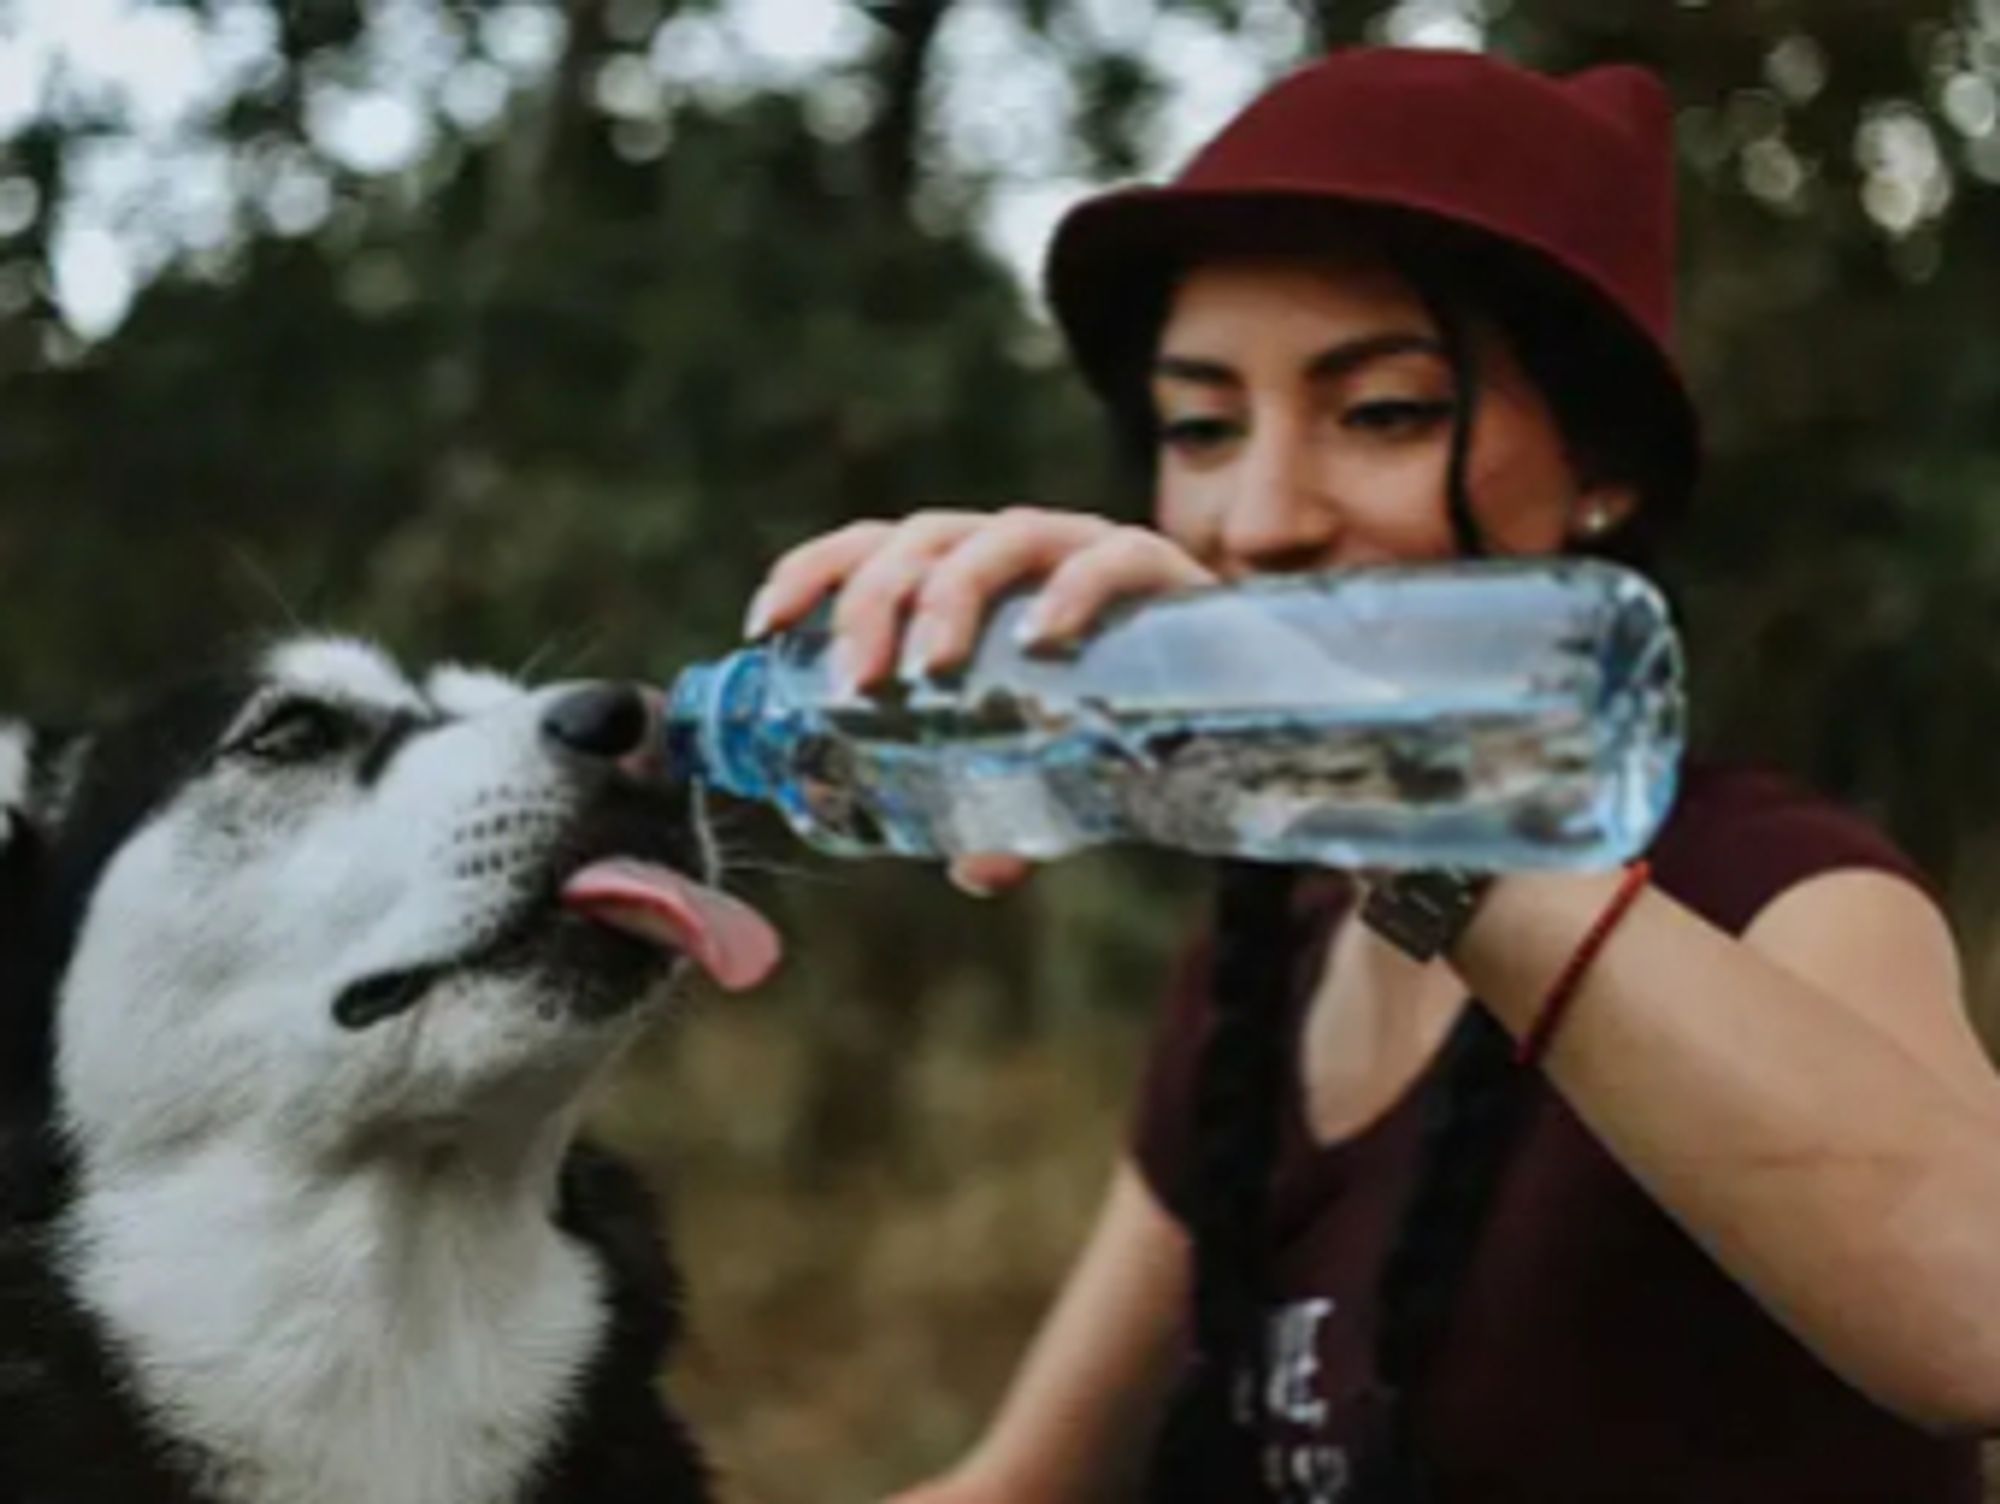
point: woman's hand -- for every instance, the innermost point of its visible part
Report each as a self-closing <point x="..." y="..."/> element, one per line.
<point x="916" y="592"/>
<point x="930" y="579"/>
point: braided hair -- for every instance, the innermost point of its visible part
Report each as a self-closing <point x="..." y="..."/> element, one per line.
<point x="1209" y="1444"/>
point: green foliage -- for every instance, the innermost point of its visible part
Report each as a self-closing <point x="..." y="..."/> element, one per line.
<point x="549" y="397"/>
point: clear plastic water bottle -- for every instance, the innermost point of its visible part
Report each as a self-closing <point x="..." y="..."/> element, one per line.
<point x="1493" y="715"/>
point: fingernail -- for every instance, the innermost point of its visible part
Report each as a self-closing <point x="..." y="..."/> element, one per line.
<point x="966" y="885"/>
<point x="920" y="649"/>
<point x="1033" y="627"/>
<point x="843" y="669"/>
<point x="756" y="621"/>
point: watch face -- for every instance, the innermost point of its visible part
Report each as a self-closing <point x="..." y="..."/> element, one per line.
<point x="1421" y="913"/>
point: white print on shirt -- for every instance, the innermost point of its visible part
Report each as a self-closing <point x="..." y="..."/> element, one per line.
<point x="1292" y="1362"/>
<point x="1300" y="1472"/>
<point x="1316" y="1474"/>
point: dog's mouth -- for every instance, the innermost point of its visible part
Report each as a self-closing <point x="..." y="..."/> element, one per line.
<point x="720" y="933"/>
<point x="652" y="912"/>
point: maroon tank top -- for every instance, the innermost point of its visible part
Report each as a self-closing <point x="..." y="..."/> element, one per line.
<point x="1594" y="1352"/>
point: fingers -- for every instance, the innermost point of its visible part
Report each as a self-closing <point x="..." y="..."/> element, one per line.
<point x="1127" y="562"/>
<point x="986" y="876"/>
<point x="803" y="576"/>
<point x="872" y="567"/>
<point x="876" y="598"/>
<point x="931" y="580"/>
<point x="1015" y="546"/>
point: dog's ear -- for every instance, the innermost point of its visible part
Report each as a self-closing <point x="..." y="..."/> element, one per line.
<point x="31" y="790"/>
<point x="34" y="767"/>
<point x="17" y="779"/>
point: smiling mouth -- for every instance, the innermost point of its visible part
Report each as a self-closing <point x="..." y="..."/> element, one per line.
<point x="651" y="905"/>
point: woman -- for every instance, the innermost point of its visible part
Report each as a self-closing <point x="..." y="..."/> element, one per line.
<point x="1677" y="1183"/>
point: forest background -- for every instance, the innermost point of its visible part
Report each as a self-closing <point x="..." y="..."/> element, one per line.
<point x="527" y="332"/>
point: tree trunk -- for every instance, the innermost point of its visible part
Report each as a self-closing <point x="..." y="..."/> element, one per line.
<point x="902" y="67"/>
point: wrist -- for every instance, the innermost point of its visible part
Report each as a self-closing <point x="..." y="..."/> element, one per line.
<point x="1529" y="931"/>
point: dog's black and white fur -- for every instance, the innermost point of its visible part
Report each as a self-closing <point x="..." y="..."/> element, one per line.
<point x="294" y="1035"/>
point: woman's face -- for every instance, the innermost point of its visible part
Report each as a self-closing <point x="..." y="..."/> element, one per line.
<point x="1305" y="418"/>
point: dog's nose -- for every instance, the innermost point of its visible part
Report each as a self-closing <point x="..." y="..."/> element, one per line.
<point x="608" y="721"/>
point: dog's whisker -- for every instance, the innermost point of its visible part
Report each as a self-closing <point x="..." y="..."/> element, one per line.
<point x="267" y="584"/>
<point x="743" y="852"/>
<point x="747" y="858"/>
<point x="560" y="661"/>
<point x="540" y="655"/>
<point x="817" y="878"/>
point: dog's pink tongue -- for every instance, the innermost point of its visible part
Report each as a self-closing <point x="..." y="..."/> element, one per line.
<point x="727" y="938"/>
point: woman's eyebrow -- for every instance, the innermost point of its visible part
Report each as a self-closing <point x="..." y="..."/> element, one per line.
<point x="1335" y="360"/>
<point x="1338" y="360"/>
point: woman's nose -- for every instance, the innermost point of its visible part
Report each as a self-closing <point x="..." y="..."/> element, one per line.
<point x="1279" y="516"/>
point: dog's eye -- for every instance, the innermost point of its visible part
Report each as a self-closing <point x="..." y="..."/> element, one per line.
<point x="296" y="731"/>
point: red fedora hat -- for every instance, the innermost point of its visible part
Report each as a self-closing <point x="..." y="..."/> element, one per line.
<point x="1571" y="178"/>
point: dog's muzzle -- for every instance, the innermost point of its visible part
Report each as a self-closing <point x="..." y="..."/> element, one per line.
<point x="729" y="940"/>
<point x="617" y="868"/>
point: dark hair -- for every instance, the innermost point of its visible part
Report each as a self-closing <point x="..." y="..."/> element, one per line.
<point x="1209" y="1445"/>
<point x="1470" y="1114"/>
<point x="1210" y="1441"/>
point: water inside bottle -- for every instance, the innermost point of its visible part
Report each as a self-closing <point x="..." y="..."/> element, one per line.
<point x="1505" y="717"/>
<point x="1540" y="785"/>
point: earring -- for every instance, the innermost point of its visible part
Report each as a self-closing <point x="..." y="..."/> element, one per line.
<point x="1595" y="522"/>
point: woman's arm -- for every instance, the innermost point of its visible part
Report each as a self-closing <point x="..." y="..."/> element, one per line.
<point x="1081" y="1410"/>
<point x="1809" y="1103"/>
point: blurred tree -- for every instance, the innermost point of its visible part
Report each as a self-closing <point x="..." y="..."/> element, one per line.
<point x="555" y="383"/>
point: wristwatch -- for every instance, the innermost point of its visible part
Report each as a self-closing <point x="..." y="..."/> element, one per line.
<point x="1422" y="912"/>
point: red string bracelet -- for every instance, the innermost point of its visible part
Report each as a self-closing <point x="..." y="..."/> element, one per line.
<point x="1534" y="1044"/>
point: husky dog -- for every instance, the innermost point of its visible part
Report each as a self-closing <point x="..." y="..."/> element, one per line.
<point x="304" y="971"/>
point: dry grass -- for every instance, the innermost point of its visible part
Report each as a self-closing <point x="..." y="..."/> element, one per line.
<point x="853" y="1324"/>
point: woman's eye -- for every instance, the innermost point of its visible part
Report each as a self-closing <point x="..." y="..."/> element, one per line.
<point x="1396" y="416"/>
<point x="295" y="732"/>
<point x="1192" y="435"/>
